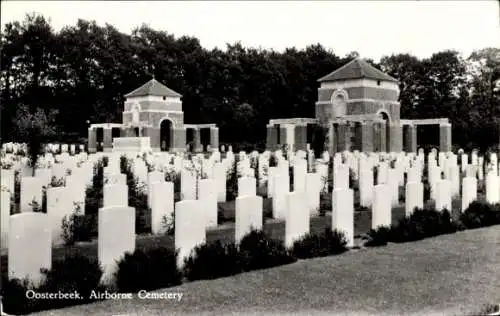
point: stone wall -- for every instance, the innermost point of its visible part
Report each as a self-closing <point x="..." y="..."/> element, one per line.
<point x="361" y="93"/>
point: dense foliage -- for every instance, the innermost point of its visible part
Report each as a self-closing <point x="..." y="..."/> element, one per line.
<point x="322" y="244"/>
<point x="147" y="270"/>
<point x="81" y="73"/>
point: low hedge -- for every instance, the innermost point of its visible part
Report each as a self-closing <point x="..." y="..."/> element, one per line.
<point x="480" y="214"/>
<point x="258" y="251"/>
<point x="320" y="244"/>
<point x="157" y="268"/>
<point x="425" y="223"/>
<point x="212" y="261"/>
<point x="147" y="270"/>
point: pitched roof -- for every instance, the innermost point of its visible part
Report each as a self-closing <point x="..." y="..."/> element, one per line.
<point x="153" y="87"/>
<point x="357" y="69"/>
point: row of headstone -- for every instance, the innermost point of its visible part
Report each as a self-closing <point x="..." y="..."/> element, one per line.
<point x="294" y="207"/>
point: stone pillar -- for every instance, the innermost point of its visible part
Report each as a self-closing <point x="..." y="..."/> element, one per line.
<point x="445" y="137"/>
<point x="283" y="136"/>
<point x="396" y="138"/>
<point x="382" y="136"/>
<point x="214" y="138"/>
<point x="107" y="140"/>
<point x="358" y="137"/>
<point x="290" y="136"/>
<point x="367" y="137"/>
<point x="179" y="140"/>
<point x="92" y="146"/>
<point x="410" y="135"/>
<point x="344" y="142"/>
<point x="197" y="140"/>
<point x="331" y="145"/>
<point x="272" y="137"/>
<point x="300" y="137"/>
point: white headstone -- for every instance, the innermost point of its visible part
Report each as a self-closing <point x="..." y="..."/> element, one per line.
<point x="190" y="228"/>
<point x="299" y="175"/>
<point x="31" y="191"/>
<point x="30" y="246"/>
<point x="469" y="191"/>
<point x="248" y="215"/>
<point x="414" y="197"/>
<point x="313" y="192"/>
<point x="382" y="173"/>
<point x="58" y="205"/>
<point x="153" y="177"/>
<point x="341" y="177"/>
<point x="116" y="236"/>
<point x="443" y="195"/>
<point x="208" y="196"/>
<point x="366" y="186"/>
<point x="220" y="177"/>
<point x="7" y="179"/>
<point x="492" y="188"/>
<point x="247" y="186"/>
<point x="281" y="188"/>
<point x="381" y="208"/>
<point x="297" y="217"/>
<point x="162" y="206"/>
<point x="115" y="195"/>
<point x="4" y="218"/>
<point x="343" y="213"/>
<point x="188" y="185"/>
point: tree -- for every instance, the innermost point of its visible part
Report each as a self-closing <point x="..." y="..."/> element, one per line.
<point x="34" y="129"/>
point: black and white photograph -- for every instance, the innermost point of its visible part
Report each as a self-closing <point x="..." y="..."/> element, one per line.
<point x="250" y="158"/>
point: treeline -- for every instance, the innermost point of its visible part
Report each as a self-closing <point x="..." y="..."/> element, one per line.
<point x="84" y="70"/>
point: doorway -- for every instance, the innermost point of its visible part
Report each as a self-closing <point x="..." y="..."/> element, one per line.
<point x="99" y="138"/>
<point x="165" y="135"/>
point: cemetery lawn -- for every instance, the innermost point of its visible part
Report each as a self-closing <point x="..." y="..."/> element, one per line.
<point x="452" y="274"/>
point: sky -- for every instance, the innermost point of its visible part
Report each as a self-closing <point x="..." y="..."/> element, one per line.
<point x="372" y="28"/>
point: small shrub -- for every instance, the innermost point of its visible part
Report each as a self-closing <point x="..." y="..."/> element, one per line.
<point x="360" y="208"/>
<point x="148" y="270"/>
<point x="232" y="181"/>
<point x="136" y="198"/>
<point x="258" y="251"/>
<point x="320" y="245"/>
<point x="325" y="203"/>
<point x="273" y="162"/>
<point x="55" y="182"/>
<point x="78" y="228"/>
<point x="423" y="223"/>
<point x="378" y="237"/>
<point x="211" y="261"/>
<point x="37" y="208"/>
<point x="168" y="224"/>
<point x="480" y="214"/>
<point x="73" y="273"/>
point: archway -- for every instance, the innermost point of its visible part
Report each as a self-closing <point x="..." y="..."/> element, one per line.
<point x="190" y="138"/>
<point x="387" y="120"/>
<point x="165" y="135"/>
<point x="99" y="138"/>
<point x="205" y="137"/>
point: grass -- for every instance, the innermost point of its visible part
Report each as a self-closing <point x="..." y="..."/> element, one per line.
<point x="450" y="274"/>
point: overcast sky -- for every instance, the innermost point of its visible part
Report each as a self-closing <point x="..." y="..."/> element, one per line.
<point x="372" y="28"/>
